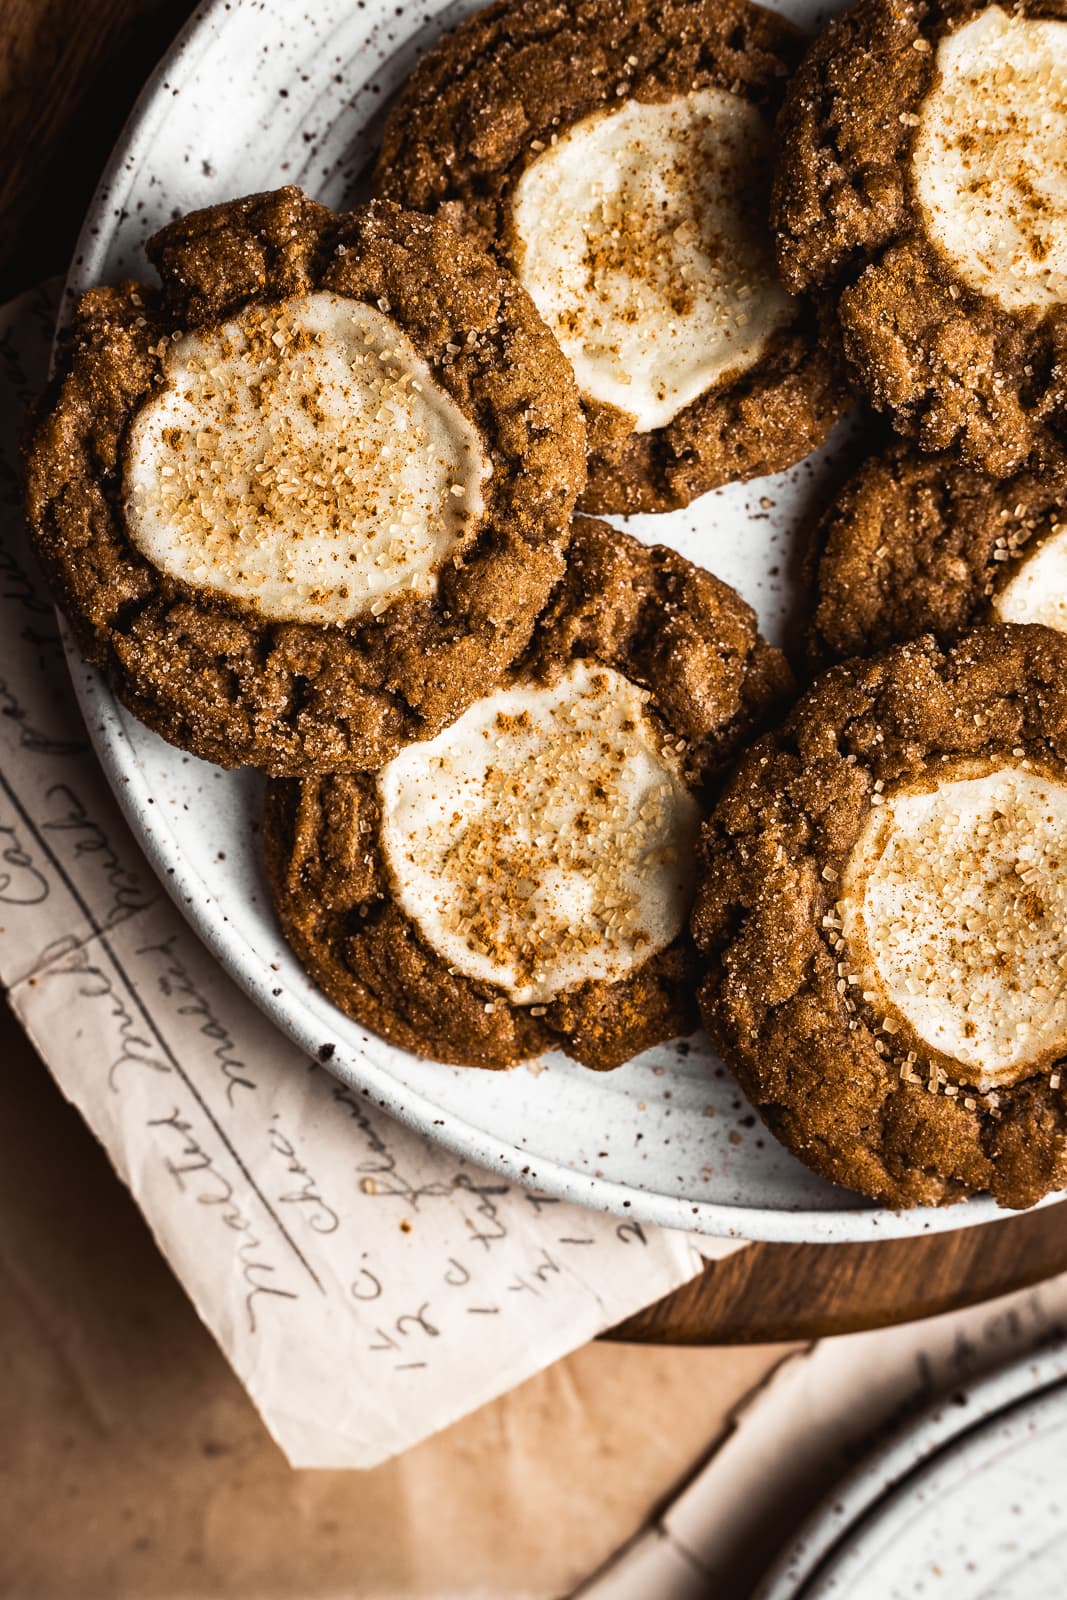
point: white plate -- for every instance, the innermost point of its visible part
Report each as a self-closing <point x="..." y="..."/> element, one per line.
<point x="968" y="1503"/>
<point x="254" y="94"/>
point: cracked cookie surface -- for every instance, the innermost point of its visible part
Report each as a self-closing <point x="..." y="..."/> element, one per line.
<point x="919" y="544"/>
<point x="212" y="487"/>
<point x="521" y="882"/>
<point x="881" y="921"/>
<point x="918" y="182"/>
<point x="611" y="118"/>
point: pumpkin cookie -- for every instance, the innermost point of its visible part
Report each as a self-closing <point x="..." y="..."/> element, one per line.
<point x="521" y="882"/>
<point x="921" y="177"/>
<point x="882" y="917"/>
<point x="617" y="158"/>
<point x="304" y="501"/>
<point x="923" y="544"/>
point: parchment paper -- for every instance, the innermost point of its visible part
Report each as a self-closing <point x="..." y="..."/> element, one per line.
<point x="366" y="1287"/>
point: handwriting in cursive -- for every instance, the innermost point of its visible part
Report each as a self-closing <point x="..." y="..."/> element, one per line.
<point x="305" y="1194"/>
<point x="177" y="983"/>
<point x="197" y="1173"/>
<point x="126" y="892"/>
<point x="21" y="882"/>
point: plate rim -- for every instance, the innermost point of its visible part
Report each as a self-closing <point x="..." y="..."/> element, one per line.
<point x="105" y="718"/>
<point x="1033" y="1375"/>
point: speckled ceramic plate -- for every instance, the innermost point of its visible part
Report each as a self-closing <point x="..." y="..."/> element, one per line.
<point x="254" y="94"/>
<point x="969" y="1503"/>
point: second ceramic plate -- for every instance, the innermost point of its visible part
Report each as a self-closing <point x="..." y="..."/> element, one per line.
<point x="966" y="1504"/>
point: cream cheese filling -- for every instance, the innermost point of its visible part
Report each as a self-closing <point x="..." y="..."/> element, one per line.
<point x="642" y="239"/>
<point x="1037" y="589"/>
<point x="953" y="911"/>
<point x="546" y="838"/>
<point x="988" y="161"/>
<point x="303" y="460"/>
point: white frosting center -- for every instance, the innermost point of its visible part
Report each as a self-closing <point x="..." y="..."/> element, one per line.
<point x="643" y="241"/>
<point x="988" y="162"/>
<point x="546" y="838"/>
<point x="1037" y="589"/>
<point x="953" y="909"/>
<point x="302" y="459"/>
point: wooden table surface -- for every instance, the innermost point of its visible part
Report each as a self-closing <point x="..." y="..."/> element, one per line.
<point x="69" y="72"/>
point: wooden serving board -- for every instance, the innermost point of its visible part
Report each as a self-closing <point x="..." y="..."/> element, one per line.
<point x="69" y="73"/>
